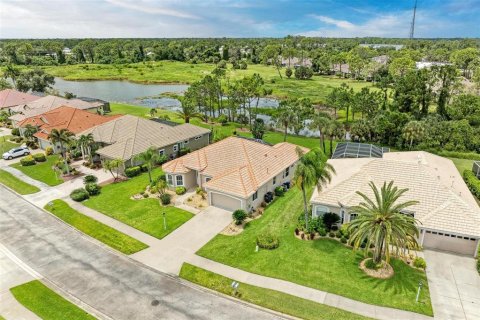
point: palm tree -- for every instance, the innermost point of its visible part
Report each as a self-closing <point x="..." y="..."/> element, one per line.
<point x="381" y="223"/>
<point x="413" y="131"/>
<point x="153" y="112"/>
<point x="11" y="72"/>
<point x="85" y="142"/>
<point x="188" y="111"/>
<point x="149" y="157"/>
<point x="320" y="122"/>
<point x="29" y="131"/>
<point x="285" y="116"/>
<point x="63" y="137"/>
<point x="112" y="166"/>
<point x="312" y="169"/>
<point x="334" y="130"/>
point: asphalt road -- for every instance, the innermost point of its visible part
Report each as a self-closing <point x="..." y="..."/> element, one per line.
<point x="109" y="282"/>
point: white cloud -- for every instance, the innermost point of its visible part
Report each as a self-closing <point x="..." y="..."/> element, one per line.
<point x="150" y="8"/>
<point x="343" y="24"/>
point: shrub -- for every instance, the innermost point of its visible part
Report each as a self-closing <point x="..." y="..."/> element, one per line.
<point x="165" y="199"/>
<point x="39" y="157"/>
<point x="180" y="190"/>
<point x="76" y="153"/>
<point x="343" y="240"/>
<point x="338" y="234"/>
<point x="16" y="132"/>
<point x="92" y="188"/>
<point x="322" y="232"/>
<point x="239" y="216"/>
<point x="132" y="171"/>
<point x="153" y="189"/>
<point x="303" y="73"/>
<point x="372" y="265"/>
<point x="143" y="168"/>
<point x="331" y="234"/>
<point x="79" y="194"/>
<point x="288" y="72"/>
<point x="89" y="178"/>
<point x="268" y="241"/>
<point x="145" y="195"/>
<point x="344" y="230"/>
<point x="48" y="151"/>
<point x="222" y="119"/>
<point x="472" y="182"/>
<point x="183" y="151"/>
<point x="329" y="219"/>
<point x="27" y="161"/>
<point x="279" y="191"/>
<point x="419" y="263"/>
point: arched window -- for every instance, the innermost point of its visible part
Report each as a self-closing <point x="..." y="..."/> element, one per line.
<point x="319" y="210"/>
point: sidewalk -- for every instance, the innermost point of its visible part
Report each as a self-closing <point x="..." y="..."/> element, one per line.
<point x="318" y="296"/>
<point x="22" y="176"/>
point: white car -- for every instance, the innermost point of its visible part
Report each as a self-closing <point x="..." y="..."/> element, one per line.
<point x="16" y="152"/>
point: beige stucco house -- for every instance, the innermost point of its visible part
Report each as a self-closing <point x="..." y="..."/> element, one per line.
<point x="236" y="172"/>
<point x="448" y="215"/>
<point x="127" y="136"/>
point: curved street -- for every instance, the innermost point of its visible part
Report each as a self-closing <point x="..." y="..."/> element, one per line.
<point x="110" y="283"/>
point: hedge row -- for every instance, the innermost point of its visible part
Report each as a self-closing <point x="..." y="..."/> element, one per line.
<point x="455" y="154"/>
<point x="472" y="182"/>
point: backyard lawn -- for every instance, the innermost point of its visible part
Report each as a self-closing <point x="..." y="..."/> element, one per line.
<point x="6" y="145"/>
<point x="111" y="237"/>
<point x="271" y="299"/>
<point x="323" y="264"/>
<point x="462" y="164"/>
<point x="16" y="184"/>
<point x="145" y="214"/>
<point x="47" y="304"/>
<point x="42" y="171"/>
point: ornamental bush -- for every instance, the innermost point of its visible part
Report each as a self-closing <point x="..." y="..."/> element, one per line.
<point x="79" y="194"/>
<point x="180" y="190"/>
<point x="279" y="191"/>
<point x="39" y="157"/>
<point x="89" y="178"/>
<point x="420" y="263"/>
<point x="15" y="132"/>
<point x="370" y="264"/>
<point x="92" y="188"/>
<point x="303" y="73"/>
<point x="165" y="199"/>
<point x="472" y="182"/>
<point x="48" y="151"/>
<point x="27" y="161"/>
<point x="329" y="219"/>
<point x="133" y="171"/>
<point x="268" y="241"/>
<point x="239" y="216"/>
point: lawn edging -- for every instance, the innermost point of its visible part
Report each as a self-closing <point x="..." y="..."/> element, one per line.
<point x="93" y="228"/>
<point x="5" y="179"/>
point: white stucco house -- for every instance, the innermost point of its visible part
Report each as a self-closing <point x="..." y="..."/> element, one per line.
<point x="448" y="214"/>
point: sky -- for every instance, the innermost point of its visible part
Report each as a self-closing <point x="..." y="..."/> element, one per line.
<point x="236" y="18"/>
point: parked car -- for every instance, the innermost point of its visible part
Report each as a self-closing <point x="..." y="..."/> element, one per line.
<point x="16" y="152"/>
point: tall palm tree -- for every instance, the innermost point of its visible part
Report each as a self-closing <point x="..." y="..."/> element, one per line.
<point x="188" y="111"/>
<point x="84" y="142"/>
<point x="285" y="116"/>
<point x="413" y="131"/>
<point x="381" y="223"/>
<point x="64" y="138"/>
<point x="149" y="157"/>
<point x="320" y="122"/>
<point x="312" y="169"/>
<point x="29" y="131"/>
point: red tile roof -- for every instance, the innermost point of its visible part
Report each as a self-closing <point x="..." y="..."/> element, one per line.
<point x="75" y="120"/>
<point x="10" y="98"/>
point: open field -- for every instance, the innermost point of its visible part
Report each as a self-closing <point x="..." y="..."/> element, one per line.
<point x="42" y="171"/>
<point x="181" y="72"/>
<point x="47" y="304"/>
<point x="16" y="184"/>
<point x="111" y="237"/>
<point x="324" y="264"/>
<point x="270" y="299"/>
<point x="145" y="214"/>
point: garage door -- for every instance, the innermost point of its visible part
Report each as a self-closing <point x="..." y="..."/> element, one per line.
<point x="448" y="242"/>
<point x="225" y="202"/>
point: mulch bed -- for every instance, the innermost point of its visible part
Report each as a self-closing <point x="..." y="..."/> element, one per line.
<point x="385" y="272"/>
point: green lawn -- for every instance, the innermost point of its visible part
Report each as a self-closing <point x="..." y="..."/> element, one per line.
<point x="272" y="137"/>
<point x="267" y="298"/>
<point x="462" y="164"/>
<point x="42" y="171"/>
<point x="111" y="237"/>
<point x="322" y="264"/>
<point x="16" y="184"/>
<point x="316" y="88"/>
<point x="6" y="145"/>
<point x="144" y="215"/>
<point x="47" y="304"/>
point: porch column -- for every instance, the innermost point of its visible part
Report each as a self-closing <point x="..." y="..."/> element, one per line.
<point x="422" y="237"/>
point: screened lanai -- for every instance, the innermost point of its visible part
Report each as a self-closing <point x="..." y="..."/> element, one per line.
<point x="358" y="150"/>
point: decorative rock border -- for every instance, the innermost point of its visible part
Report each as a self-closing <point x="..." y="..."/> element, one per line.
<point x="385" y="272"/>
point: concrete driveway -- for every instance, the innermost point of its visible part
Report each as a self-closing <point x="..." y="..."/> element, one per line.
<point x="110" y="283"/>
<point x="454" y="286"/>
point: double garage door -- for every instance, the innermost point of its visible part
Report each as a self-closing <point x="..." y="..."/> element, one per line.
<point x="450" y="242"/>
<point x="225" y="202"/>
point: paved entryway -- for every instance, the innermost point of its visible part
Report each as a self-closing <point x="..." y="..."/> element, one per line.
<point x="169" y="253"/>
<point x="454" y="286"/>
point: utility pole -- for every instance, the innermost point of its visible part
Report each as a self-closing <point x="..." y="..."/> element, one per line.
<point x="412" y="26"/>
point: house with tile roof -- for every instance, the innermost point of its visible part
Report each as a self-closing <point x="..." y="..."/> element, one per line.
<point x="10" y="98"/>
<point x="46" y="104"/>
<point x="64" y="117"/>
<point x="235" y="172"/>
<point x="127" y="136"/>
<point x="448" y="214"/>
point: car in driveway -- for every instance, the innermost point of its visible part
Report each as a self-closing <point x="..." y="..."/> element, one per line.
<point x="16" y="152"/>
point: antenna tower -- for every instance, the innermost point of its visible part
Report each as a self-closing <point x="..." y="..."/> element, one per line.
<point x="412" y="26"/>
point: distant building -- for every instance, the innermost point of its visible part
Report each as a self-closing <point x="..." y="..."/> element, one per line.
<point x="428" y="64"/>
<point x="67" y="51"/>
